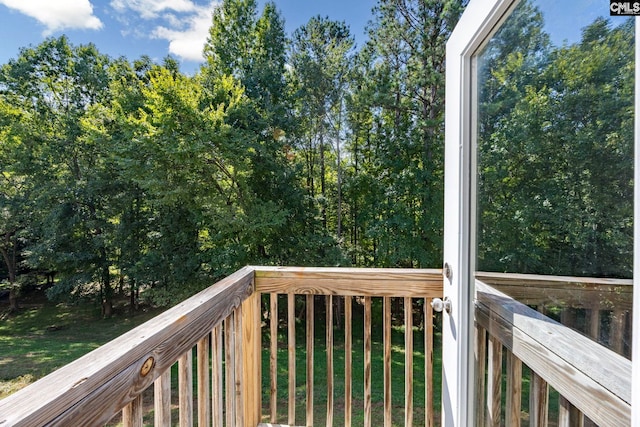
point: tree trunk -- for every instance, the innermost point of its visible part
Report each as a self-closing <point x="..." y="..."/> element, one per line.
<point x="13" y="299"/>
<point x="323" y="181"/>
<point x="339" y="170"/>
<point x="9" y="255"/>
<point x="107" y="291"/>
<point x="133" y="297"/>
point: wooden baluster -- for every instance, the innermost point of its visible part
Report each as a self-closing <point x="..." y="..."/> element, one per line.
<point x="217" y="404"/>
<point x="618" y="320"/>
<point x="428" y="363"/>
<point x="229" y="371"/>
<point x="386" y="307"/>
<point x="273" y="356"/>
<point x="162" y="399"/>
<point x="251" y="369"/>
<point x="514" y="390"/>
<point x="494" y="383"/>
<point x="132" y="413"/>
<point x="594" y="322"/>
<point x="310" y="339"/>
<point x="538" y="402"/>
<point x="348" y="365"/>
<point x="481" y="370"/>
<point x="185" y="387"/>
<point x="329" y="350"/>
<point x="204" y="386"/>
<point x="540" y="409"/>
<point x="569" y="415"/>
<point x="408" y="362"/>
<point x="291" y="349"/>
<point x="367" y="361"/>
<point x="239" y="365"/>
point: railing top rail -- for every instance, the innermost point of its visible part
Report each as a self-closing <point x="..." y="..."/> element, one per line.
<point x="375" y="282"/>
<point x="594" y="378"/>
<point x="90" y="390"/>
<point x="549" y="281"/>
<point x="586" y="292"/>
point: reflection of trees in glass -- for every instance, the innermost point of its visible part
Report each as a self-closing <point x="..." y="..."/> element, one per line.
<point x="555" y="148"/>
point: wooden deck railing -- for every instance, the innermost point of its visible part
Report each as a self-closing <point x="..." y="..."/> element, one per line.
<point x="113" y="378"/>
<point x="203" y="359"/>
<point x="217" y="335"/>
<point x="339" y="287"/>
<point x="518" y="345"/>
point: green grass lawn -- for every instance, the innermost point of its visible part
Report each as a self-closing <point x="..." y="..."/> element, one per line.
<point x="377" y="386"/>
<point x="44" y="336"/>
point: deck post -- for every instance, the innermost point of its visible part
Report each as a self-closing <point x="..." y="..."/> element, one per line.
<point x="251" y="342"/>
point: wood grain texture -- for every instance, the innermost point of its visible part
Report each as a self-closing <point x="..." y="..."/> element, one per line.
<point x="494" y="382"/>
<point x="217" y="373"/>
<point x="593" y="378"/>
<point x="386" y="327"/>
<point x="185" y="389"/>
<point x="229" y="371"/>
<point x="204" y="385"/>
<point x="90" y="390"/>
<point x="273" y="357"/>
<point x="348" y="362"/>
<point x="132" y="413"/>
<point x="538" y="402"/>
<point x="238" y="356"/>
<point x="252" y="361"/>
<point x="329" y="352"/>
<point x="408" y="362"/>
<point x="162" y="400"/>
<point x="350" y="281"/>
<point x="577" y="292"/>
<point x="481" y="370"/>
<point x="513" y="391"/>
<point x="310" y="330"/>
<point x="367" y="361"/>
<point x="428" y="362"/>
<point x="291" y="352"/>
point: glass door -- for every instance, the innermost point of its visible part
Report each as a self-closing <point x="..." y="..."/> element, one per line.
<point x="539" y="199"/>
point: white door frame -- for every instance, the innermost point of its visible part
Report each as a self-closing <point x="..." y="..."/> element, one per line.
<point x="635" y="392"/>
<point x="475" y="27"/>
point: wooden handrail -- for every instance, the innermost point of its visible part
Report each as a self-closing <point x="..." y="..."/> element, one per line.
<point x="593" y="378"/>
<point x="223" y="324"/>
<point x="92" y="389"/>
<point x="534" y="289"/>
<point x="360" y="282"/>
<point x="337" y="286"/>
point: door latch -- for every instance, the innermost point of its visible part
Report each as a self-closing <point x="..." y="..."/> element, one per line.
<point x="438" y="305"/>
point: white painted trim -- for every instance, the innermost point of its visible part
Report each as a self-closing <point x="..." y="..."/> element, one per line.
<point x="635" y="383"/>
<point x="476" y="25"/>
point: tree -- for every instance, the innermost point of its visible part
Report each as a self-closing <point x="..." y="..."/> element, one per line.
<point x="271" y="221"/>
<point x="320" y="56"/>
<point x="55" y="84"/>
<point x="550" y="118"/>
<point x="403" y="80"/>
<point x="13" y="200"/>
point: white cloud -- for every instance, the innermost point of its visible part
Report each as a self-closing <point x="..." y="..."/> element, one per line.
<point x="183" y="23"/>
<point x="187" y="37"/>
<point x="59" y="14"/>
<point x="151" y="9"/>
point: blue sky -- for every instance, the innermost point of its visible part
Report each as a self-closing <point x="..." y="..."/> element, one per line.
<point x="156" y="28"/>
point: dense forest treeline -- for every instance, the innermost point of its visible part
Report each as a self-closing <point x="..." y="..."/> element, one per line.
<point x="555" y="144"/>
<point x="304" y="150"/>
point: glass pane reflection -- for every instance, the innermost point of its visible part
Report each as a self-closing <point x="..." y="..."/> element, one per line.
<point x="555" y="164"/>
